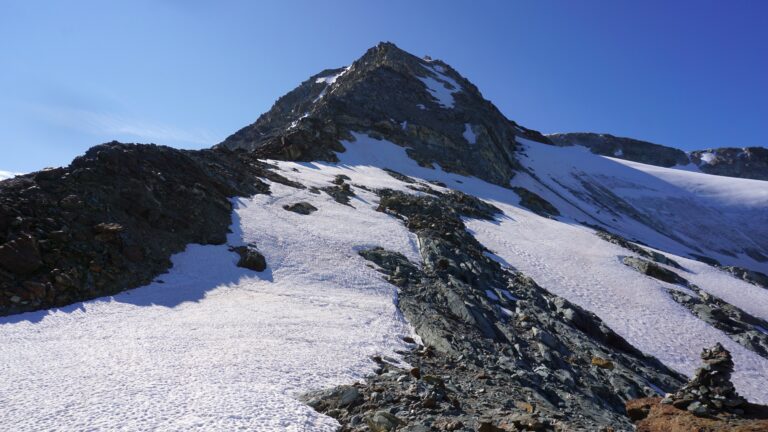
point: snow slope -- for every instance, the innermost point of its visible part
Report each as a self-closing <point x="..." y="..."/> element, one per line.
<point x="216" y="347"/>
<point x="437" y="82"/>
<point x="569" y="260"/>
<point x="329" y="81"/>
<point x="673" y="210"/>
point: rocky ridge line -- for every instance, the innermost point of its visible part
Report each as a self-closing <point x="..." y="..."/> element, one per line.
<point x="112" y="219"/>
<point x="500" y="353"/>
<point x="748" y="162"/>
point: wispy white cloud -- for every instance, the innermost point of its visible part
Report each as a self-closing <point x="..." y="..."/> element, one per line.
<point x="117" y="126"/>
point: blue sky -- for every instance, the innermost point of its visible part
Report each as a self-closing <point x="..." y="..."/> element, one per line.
<point x="187" y="73"/>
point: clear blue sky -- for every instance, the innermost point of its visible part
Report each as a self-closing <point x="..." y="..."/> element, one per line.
<point x="187" y="73"/>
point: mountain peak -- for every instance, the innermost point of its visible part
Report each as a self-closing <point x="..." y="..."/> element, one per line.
<point x="388" y="93"/>
<point x="390" y="55"/>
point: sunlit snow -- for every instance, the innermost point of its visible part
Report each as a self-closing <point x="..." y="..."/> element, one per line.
<point x="7" y="174"/>
<point x="216" y="347"/>
<point x="438" y="84"/>
<point x="708" y="157"/>
<point x="331" y="79"/>
<point x="328" y="81"/>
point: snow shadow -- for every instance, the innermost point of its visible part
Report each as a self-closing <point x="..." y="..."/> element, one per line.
<point x="195" y="271"/>
<point x="37" y="316"/>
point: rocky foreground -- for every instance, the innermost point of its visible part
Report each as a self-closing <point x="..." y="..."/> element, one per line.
<point x="462" y="394"/>
<point x="707" y="403"/>
<point x="538" y="362"/>
<point x="653" y="416"/>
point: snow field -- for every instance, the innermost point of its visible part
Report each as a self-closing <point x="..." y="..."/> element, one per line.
<point x="569" y="260"/>
<point x="677" y="211"/>
<point x="216" y="347"/>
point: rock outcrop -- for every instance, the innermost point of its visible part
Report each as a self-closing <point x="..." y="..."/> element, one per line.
<point x="535" y="202"/>
<point x="111" y="220"/>
<point x="250" y="258"/>
<point x="748" y="162"/>
<point x="708" y="402"/>
<point x="302" y="208"/>
<point x="623" y="148"/>
<point x="711" y="391"/>
<point x="499" y="352"/>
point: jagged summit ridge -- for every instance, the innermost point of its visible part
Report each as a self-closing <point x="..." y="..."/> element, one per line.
<point x="388" y="93"/>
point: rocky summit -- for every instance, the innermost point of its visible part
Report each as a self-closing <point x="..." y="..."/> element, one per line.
<point x="383" y="250"/>
<point x="423" y="104"/>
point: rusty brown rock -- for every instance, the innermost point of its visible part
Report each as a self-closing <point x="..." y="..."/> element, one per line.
<point x="602" y="363"/>
<point x="658" y="417"/>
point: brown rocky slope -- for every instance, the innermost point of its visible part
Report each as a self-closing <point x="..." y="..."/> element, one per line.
<point x="707" y="403"/>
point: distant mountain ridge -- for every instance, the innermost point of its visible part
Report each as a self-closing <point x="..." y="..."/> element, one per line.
<point x="747" y="162"/>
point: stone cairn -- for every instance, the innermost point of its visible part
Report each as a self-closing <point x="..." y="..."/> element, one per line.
<point x="711" y="391"/>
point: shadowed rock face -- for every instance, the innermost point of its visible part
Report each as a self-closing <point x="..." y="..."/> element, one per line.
<point x="708" y="402"/>
<point x="111" y="220"/>
<point x="750" y="162"/>
<point x="386" y="93"/>
<point x="623" y="148"/>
